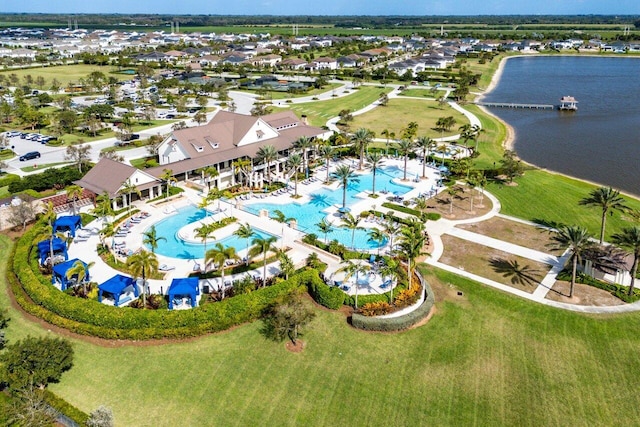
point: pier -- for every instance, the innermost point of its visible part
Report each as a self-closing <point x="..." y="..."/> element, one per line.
<point x="514" y="105"/>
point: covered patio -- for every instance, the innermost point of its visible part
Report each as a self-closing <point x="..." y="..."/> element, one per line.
<point x="57" y="245"/>
<point x="69" y="223"/>
<point x="60" y="277"/>
<point x="122" y="288"/>
<point x="182" y="292"/>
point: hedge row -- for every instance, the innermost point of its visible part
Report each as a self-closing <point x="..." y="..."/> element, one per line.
<point x="38" y="297"/>
<point x="328" y="296"/>
<point x="395" y="323"/>
<point x="433" y="216"/>
<point x="65" y="408"/>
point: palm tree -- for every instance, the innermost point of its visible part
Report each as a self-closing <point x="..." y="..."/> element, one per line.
<point x="168" y="178"/>
<point x="327" y="152"/>
<point x="405" y="147"/>
<point x="325" y="227"/>
<point x="360" y="140"/>
<point x="286" y="264"/>
<point x="79" y="269"/>
<point x="267" y="154"/>
<point x="352" y="223"/>
<point x="607" y="199"/>
<point x="391" y="229"/>
<point x="442" y="149"/>
<point x="376" y="161"/>
<point x="128" y="188"/>
<point x="49" y="217"/>
<point x="412" y="240"/>
<point x="629" y="238"/>
<point x="220" y="255"/>
<point x="294" y="162"/>
<point x="103" y="207"/>
<point x="141" y="264"/>
<point x="151" y="238"/>
<point x="424" y="143"/>
<point x="204" y="232"/>
<point x="242" y="167"/>
<point x="304" y="144"/>
<point x="208" y="173"/>
<point x="345" y="176"/>
<point x="244" y="231"/>
<point x="74" y="192"/>
<point x="376" y="235"/>
<point x="578" y="240"/>
<point x="262" y="246"/>
<point x="389" y="271"/>
<point x="280" y="217"/>
<point x="351" y="269"/>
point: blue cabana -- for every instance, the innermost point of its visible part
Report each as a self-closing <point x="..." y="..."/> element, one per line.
<point x="69" y="223"/>
<point x="59" y="248"/>
<point x="115" y="286"/>
<point x="184" y="287"/>
<point x="60" y="273"/>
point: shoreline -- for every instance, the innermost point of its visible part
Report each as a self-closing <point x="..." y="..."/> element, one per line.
<point x="509" y="141"/>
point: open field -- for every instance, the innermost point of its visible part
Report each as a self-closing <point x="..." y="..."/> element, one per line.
<point x="542" y="197"/>
<point x="502" y="267"/>
<point x="65" y="74"/>
<point x="400" y="112"/>
<point x="485" y="358"/>
<point x="320" y="111"/>
<point x="514" y="232"/>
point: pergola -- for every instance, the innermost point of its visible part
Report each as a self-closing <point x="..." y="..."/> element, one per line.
<point x="60" y="273"/>
<point x="184" y="287"/>
<point x="116" y="286"/>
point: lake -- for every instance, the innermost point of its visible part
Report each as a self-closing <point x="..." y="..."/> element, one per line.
<point x="600" y="142"/>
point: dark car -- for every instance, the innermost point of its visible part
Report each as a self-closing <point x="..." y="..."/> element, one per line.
<point x="30" y="156"/>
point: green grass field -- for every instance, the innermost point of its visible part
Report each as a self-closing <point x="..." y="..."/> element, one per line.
<point x="399" y="112"/>
<point x="318" y="112"/>
<point x="486" y="359"/>
<point x="65" y="74"/>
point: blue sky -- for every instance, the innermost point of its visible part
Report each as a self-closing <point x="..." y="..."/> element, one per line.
<point x="328" y="7"/>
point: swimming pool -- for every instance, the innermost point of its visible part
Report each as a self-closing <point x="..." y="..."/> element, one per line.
<point x="309" y="214"/>
<point x="175" y="247"/>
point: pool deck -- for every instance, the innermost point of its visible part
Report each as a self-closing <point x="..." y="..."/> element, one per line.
<point x="287" y="236"/>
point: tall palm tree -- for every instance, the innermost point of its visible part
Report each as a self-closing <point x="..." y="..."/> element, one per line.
<point x="244" y="231"/>
<point x="141" y="264"/>
<point x="629" y="238"/>
<point x="412" y="240"/>
<point x="209" y="173"/>
<point x="203" y="203"/>
<point x="352" y="223"/>
<point x="262" y="246"/>
<point x="406" y="147"/>
<point x="442" y="149"/>
<point x="49" y="216"/>
<point x="325" y="227"/>
<point x="345" y="176"/>
<point x="304" y="144"/>
<point x="351" y="269"/>
<point x="389" y="271"/>
<point x="391" y="229"/>
<point x="74" y="192"/>
<point x="286" y="264"/>
<point x="578" y="240"/>
<point x="220" y="255"/>
<point x="327" y="152"/>
<point x="168" y="178"/>
<point x="103" y="207"/>
<point x="151" y="238"/>
<point x="79" y="269"/>
<point x="375" y="159"/>
<point x="607" y="199"/>
<point x="424" y="143"/>
<point x="267" y="154"/>
<point x="279" y="216"/>
<point x="129" y="188"/>
<point x="204" y="232"/>
<point x="294" y="162"/>
<point x="376" y="235"/>
<point x="243" y="168"/>
<point x="361" y="140"/>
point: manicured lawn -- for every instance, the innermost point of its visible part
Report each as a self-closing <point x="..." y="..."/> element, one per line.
<point x="422" y="93"/>
<point x="490" y="139"/>
<point x="65" y="74"/>
<point x="485" y="358"/>
<point x="550" y="197"/>
<point x="43" y="166"/>
<point x="397" y="114"/>
<point x="318" y="112"/>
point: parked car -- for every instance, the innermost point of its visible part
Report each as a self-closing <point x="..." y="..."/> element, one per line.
<point x="30" y="156"/>
<point x="13" y="133"/>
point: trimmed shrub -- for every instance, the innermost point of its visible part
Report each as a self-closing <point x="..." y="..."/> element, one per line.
<point x="394" y="323"/>
<point x="325" y="295"/>
<point x="65" y="408"/>
<point x="422" y="215"/>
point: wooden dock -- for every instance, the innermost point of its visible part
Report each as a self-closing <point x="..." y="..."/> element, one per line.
<point x="514" y="105"/>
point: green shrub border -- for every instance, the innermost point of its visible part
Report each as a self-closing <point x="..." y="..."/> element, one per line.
<point x="35" y="294"/>
<point x="325" y="295"/>
<point x="65" y="408"/>
<point x="394" y="324"/>
<point x="433" y="216"/>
